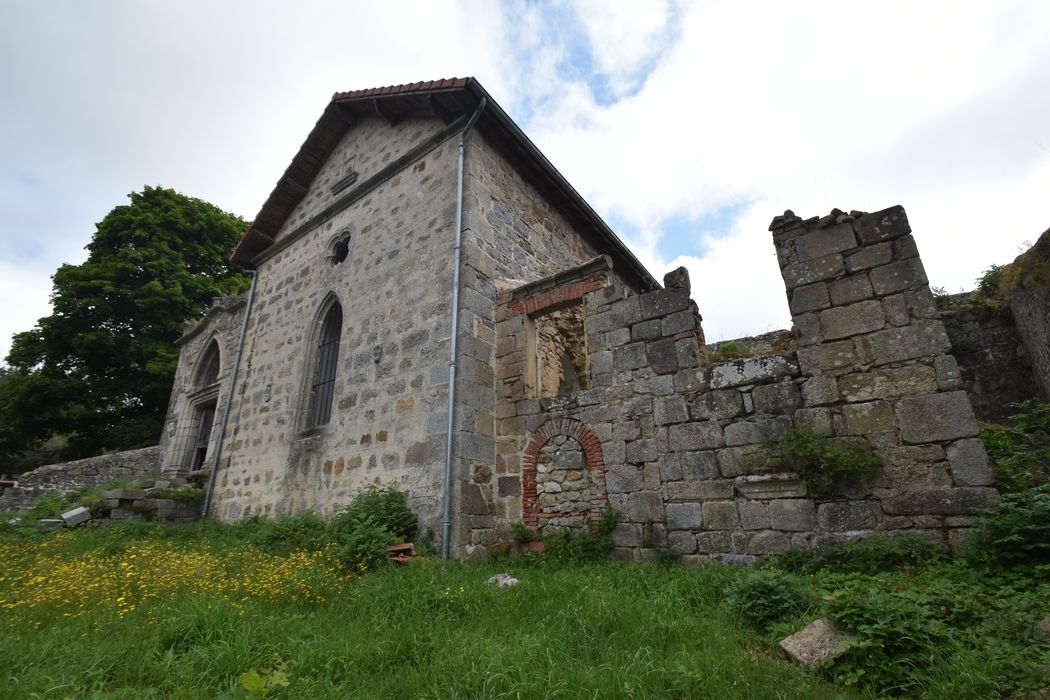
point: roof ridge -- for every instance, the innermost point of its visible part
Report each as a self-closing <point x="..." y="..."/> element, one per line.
<point x="403" y="89"/>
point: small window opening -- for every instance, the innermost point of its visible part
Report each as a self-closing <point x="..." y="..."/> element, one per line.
<point x="346" y="181"/>
<point x="340" y="251"/>
<point x="559" y="357"/>
<point x="209" y="372"/>
<point x="205" y="419"/>
<point x="323" y="389"/>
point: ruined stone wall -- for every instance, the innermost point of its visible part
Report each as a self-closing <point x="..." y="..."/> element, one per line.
<point x="140" y="464"/>
<point x="992" y="359"/>
<point x="388" y="414"/>
<point x="1027" y="282"/>
<point x="682" y="448"/>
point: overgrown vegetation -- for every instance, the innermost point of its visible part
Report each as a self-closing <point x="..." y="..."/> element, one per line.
<point x="730" y="350"/>
<point x="1020" y="448"/>
<point x="822" y="462"/>
<point x="581" y="547"/>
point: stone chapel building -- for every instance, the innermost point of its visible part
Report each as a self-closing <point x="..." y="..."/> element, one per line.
<point x="418" y="236"/>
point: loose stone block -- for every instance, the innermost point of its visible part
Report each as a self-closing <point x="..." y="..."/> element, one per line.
<point x="49" y="524"/>
<point x="865" y="418"/>
<point x="684" y="516"/>
<point x="850" y="289"/>
<point x="898" y="276"/>
<point x="969" y="463"/>
<point x="819" y="642"/>
<point x="698" y="435"/>
<point x="844" y="516"/>
<point x="74" y="517"/>
<point x="812" y="297"/>
<point x="793" y="515"/>
<point x="753" y="370"/>
<point x="720" y="515"/>
<point x="936" y="417"/>
<point x="822" y="268"/>
<point x="845" y="321"/>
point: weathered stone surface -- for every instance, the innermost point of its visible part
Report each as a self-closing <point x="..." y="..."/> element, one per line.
<point x="819" y="642"/>
<point x="843" y="516"/>
<point x="717" y="405"/>
<point x="884" y="225"/>
<point x="806" y="328"/>
<point x="944" y="501"/>
<point x="671" y="409"/>
<point x="678" y="322"/>
<point x="750" y="459"/>
<point x="870" y="256"/>
<point x="698" y="435"/>
<point x="662" y="356"/>
<point x="751" y="371"/>
<point x="471" y="500"/>
<point x="681" y="542"/>
<point x="936" y="417"/>
<point x="49" y="524"/>
<point x="699" y="490"/>
<point x="898" y="276"/>
<point x="792" y="514"/>
<point x="629" y="356"/>
<point x="820" y="390"/>
<point x="767" y="486"/>
<point x="720" y="515"/>
<point x="948" y="375"/>
<point x="926" y="339"/>
<point x="760" y="430"/>
<point x="812" y="297"/>
<point x="969" y="463"/>
<point x="778" y="397"/>
<point x="662" y="302"/>
<point x="645" y="505"/>
<point x="74" y="517"/>
<point x="768" y="542"/>
<point x="850" y="289"/>
<point x="865" y="418"/>
<point x="889" y="383"/>
<point x="741" y="561"/>
<point x="824" y="242"/>
<point x="509" y="486"/>
<point x="812" y="271"/>
<point x="754" y="515"/>
<point x="817" y="359"/>
<point x="846" y="321"/>
<point x="684" y="516"/>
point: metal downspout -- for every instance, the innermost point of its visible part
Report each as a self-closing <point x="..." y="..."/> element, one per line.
<point x="446" y="522"/>
<point x="229" y="396"/>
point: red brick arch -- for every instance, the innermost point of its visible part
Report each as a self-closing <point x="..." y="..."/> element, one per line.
<point x="592" y="453"/>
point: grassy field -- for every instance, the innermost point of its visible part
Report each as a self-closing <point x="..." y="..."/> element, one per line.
<point x="201" y="612"/>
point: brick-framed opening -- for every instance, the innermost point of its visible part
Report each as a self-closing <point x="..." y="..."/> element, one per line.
<point x="593" y="460"/>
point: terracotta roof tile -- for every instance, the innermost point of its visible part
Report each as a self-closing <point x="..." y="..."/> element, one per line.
<point x="406" y="89"/>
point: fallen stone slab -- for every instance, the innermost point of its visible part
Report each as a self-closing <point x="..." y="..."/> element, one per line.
<point x="74" y="517"/>
<point x="821" y="641"/>
<point x="48" y="524"/>
<point x="503" y="580"/>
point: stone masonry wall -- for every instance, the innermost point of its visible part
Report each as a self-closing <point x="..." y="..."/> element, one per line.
<point x="67" y="476"/>
<point x="682" y="447"/>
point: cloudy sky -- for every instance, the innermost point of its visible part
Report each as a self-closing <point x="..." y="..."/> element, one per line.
<point x="687" y="125"/>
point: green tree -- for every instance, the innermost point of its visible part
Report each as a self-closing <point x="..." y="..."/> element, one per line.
<point x="99" y="369"/>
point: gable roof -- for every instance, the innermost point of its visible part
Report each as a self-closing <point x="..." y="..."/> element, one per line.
<point x="451" y="100"/>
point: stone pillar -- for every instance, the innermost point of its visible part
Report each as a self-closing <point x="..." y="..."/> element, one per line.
<point x="876" y="360"/>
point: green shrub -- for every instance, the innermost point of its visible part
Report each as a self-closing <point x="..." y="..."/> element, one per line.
<point x="868" y="557"/>
<point x="50" y="505"/>
<point x="1016" y="528"/>
<point x="765" y="596"/>
<point x="305" y="531"/>
<point x="581" y="547"/>
<point x="1020" y="450"/>
<point x="363" y="547"/>
<point x="383" y="506"/>
<point x="823" y="463"/>
<point x="521" y="534"/>
<point x="731" y="350"/>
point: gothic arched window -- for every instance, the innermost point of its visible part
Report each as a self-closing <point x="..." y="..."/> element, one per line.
<point x="323" y="386"/>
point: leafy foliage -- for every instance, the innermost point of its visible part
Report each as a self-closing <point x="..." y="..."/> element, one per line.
<point x="822" y="462"/>
<point x="585" y="546"/>
<point x="522" y="534"/>
<point x="1017" y="527"/>
<point x="1020" y="450"/>
<point x="868" y="557"/>
<point x="730" y="350"/>
<point x="377" y="517"/>
<point x="767" y="595"/>
<point x="99" y="369"/>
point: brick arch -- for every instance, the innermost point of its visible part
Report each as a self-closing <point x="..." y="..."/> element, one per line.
<point x="592" y="453"/>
